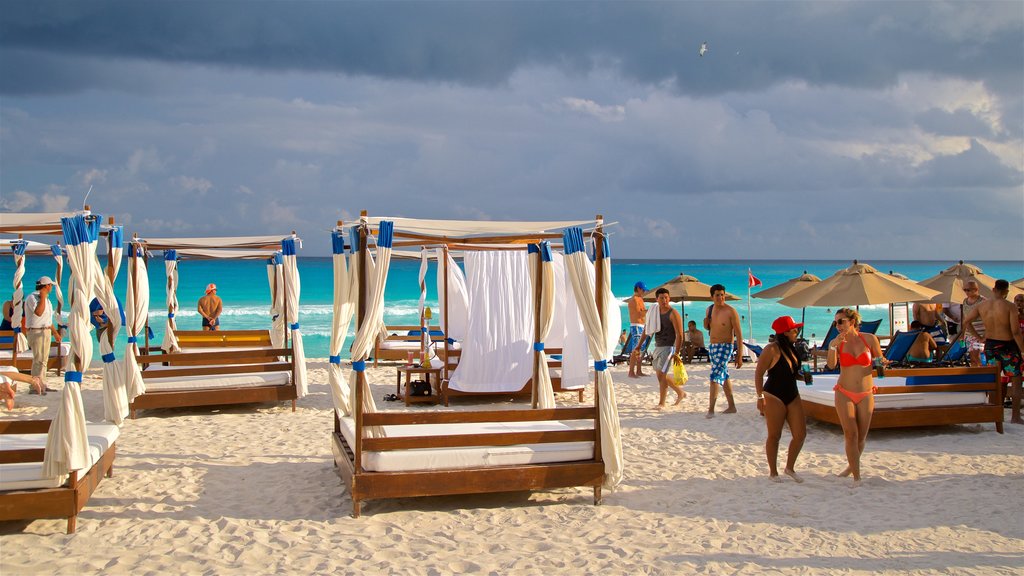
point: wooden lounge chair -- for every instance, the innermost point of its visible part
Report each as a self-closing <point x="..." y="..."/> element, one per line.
<point x="402" y="340"/>
<point x="25" y="494"/>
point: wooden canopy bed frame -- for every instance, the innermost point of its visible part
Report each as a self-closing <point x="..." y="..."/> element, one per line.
<point x="932" y="380"/>
<point x="430" y="430"/>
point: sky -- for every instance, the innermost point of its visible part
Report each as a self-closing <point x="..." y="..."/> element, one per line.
<point x="808" y="130"/>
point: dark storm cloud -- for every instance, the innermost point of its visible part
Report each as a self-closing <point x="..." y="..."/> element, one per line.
<point x="753" y="44"/>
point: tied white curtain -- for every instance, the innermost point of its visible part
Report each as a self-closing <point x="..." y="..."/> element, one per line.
<point x="541" y="273"/>
<point x="170" y="343"/>
<point x="457" y="296"/>
<point x="424" y="322"/>
<point x="18" y="299"/>
<point x="375" y="282"/>
<point x="497" y="353"/>
<point x="58" y="279"/>
<point x="293" y="287"/>
<point x="345" y="294"/>
<point x="567" y="332"/>
<point x="136" y="312"/>
<point x="576" y="268"/>
<point x="115" y="395"/>
<point x="67" y="442"/>
<point x="274" y="277"/>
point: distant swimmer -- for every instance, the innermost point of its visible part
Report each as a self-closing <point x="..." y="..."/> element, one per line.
<point x="703" y="49"/>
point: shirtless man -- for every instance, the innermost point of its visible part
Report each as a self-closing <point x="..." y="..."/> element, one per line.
<point x="929" y="315"/>
<point x="667" y="332"/>
<point x="210" y="307"/>
<point x="923" y="347"/>
<point x="723" y="325"/>
<point x="637" y="316"/>
<point x="1003" y="341"/>
<point x="692" y="342"/>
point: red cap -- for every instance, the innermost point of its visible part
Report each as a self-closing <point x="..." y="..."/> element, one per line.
<point x="785" y="324"/>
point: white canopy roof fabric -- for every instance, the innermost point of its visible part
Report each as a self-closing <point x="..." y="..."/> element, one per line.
<point x="32" y="248"/>
<point x="470" y="228"/>
<point x="31" y="222"/>
<point x="224" y="254"/>
<point x="236" y="242"/>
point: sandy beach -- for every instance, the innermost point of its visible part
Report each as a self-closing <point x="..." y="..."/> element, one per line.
<point x="252" y="489"/>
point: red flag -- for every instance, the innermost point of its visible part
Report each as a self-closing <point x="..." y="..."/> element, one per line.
<point x="752" y="280"/>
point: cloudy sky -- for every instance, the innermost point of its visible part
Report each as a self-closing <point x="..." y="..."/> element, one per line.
<point x="809" y="130"/>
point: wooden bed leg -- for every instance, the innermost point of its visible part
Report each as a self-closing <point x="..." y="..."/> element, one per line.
<point x="999" y="427"/>
<point x="293" y="405"/>
<point x="355" y="508"/>
<point x="71" y="523"/>
<point x="597" y="495"/>
<point x="131" y="413"/>
<point x="581" y="395"/>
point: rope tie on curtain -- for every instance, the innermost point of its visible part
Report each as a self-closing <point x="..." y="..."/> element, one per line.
<point x="335" y="359"/>
<point x="132" y="340"/>
<point x="108" y="358"/>
<point x="600" y="365"/>
<point x="359" y="366"/>
<point x="538" y="346"/>
<point x="295" y="326"/>
<point x="73" y="377"/>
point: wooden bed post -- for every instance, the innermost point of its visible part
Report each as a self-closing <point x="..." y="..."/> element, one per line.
<point x="360" y="375"/>
<point x="337" y="421"/>
<point x="599" y="299"/>
<point x="537" y="294"/>
<point x="444" y="313"/>
<point x="110" y="275"/>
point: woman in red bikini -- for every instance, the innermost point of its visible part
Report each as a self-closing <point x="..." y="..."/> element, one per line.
<point x="853" y="351"/>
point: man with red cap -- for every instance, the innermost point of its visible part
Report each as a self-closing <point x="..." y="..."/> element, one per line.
<point x="210" y="307"/>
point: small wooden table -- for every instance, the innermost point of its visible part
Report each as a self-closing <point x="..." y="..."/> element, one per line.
<point x="432" y="377"/>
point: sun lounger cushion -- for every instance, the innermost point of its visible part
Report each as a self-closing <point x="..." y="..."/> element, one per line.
<point x="65" y="349"/>
<point x="473" y="456"/>
<point x="211" y="382"/>
<point x="820" y="392"/>
<point x="29" y="475"/>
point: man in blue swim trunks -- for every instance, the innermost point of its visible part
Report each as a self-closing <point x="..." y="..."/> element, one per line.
<point x="637" y="316"/>
<point x="723" y="325"/>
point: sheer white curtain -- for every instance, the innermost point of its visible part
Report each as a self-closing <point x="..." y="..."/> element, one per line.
<point x="497" y="352"/>
<point x="293" y="287"/>
<point x="369" y="328"/>
<point x="67" y="442"/>
<point x="136" y="313"/>
<point x="576" y="268"/>
<point x="424" y="322"/>
<point x="542" y="273"/>
<point x="345" y="293"/>
<point x="115" y="395"/>
<point x="458" y="296"/>
<point x="58" y="279"/>
<point x="274" y="277"/>
<point x="18" y="299"/>
<point x="170" y="343"/>
<point x="567" y="330"/>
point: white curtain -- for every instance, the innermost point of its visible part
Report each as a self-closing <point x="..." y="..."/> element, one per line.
<point x="274" y="277"/>
<point x="567" y="330"/>
<point x="67" y="442"/>
<point x="576" y="268"/>
<point x="170" y="343"/>
<point x="293" y="287"/>
<point x="18" y="300"/>
<point x="375" y="282"/>
<point x="542" y="273"/>
<point x="424" y="322"/>
<point x="58" y="279"/>
<point x="136" y="313"/>
<point x="458" y="297"/>
<point x="115" y="396"/>
<point x="497" y="352"/>
<point x="345" y="294"/>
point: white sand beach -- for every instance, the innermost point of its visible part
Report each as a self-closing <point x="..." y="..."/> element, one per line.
<point x="252" y="490"/>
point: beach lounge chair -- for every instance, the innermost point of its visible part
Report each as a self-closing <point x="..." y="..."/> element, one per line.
<point x="900" y="344"/>
<point x="954" y="354"/>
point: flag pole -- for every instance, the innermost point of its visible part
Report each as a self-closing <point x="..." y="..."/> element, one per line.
<point x="750" y="319"/>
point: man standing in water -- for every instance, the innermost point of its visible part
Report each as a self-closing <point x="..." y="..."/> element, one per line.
<point x="210" y="307"/>
<point x="723" y="325"/>
<point x="1003" y="341"/>
<point x="667" y="330"/>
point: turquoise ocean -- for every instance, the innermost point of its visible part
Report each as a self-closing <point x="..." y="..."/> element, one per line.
<point x="244" y="288"/>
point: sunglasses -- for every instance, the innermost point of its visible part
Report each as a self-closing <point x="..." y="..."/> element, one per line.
<point x="841" y="321"/>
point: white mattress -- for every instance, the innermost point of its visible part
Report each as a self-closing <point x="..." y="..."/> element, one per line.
<point x="820" y="392"/>
<point x="29" y="475"/>
<point x="212" y="382"/>
<point x="65" y="349"/>
<point x="473" y="456"/>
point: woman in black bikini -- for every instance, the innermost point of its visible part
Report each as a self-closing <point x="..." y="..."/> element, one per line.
<point x="779" y="398"/>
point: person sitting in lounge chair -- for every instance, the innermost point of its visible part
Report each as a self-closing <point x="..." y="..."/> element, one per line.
<point x="923" y="347"/>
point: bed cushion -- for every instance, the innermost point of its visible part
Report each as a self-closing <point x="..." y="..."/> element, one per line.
<point x="212" y="382"/>
<point x="65" y="349"/>
<point x="29" y="475"/>
<point x="820" y="392"/>
<point x="473" y="456"/>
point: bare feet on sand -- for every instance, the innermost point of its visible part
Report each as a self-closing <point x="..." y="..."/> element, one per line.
<point x="679" y="398"/>
<point x="729" y="410"/>
<point x="659" y="407"/>
<point x="774" y="478"/>
<point x="844" y="473"/>
<point x="792" y="474"/>
<point x="709" y="415"/>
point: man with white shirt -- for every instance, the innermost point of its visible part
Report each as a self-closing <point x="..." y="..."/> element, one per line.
<point x="40" y="326"/>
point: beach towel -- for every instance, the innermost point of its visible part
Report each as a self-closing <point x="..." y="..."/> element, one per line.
<point x="653" y="321"/>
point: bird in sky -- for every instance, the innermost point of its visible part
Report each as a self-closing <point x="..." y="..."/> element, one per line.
<point x="703" y="49"/>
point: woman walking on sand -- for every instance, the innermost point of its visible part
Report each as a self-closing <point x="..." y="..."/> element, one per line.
<point x="779" y="398"/>
<point x="853" y="352"/>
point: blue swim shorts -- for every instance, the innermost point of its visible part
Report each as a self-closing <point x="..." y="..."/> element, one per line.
<point x="720" y="354"/>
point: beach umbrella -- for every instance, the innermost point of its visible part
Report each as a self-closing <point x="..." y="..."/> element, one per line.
<point x="684" y="288"/>
<point x="790" y="287"/>
<point x="950" y="283"/>
<point x="858" y="285"/>
<point x="1019" y="283"/>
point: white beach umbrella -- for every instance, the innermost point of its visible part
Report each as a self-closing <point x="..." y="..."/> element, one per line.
<point x="115" y="396"/>
<point x="293" y="288"/>
<point x="170" y="343"/>
<point x="541" y="272"/>
<point x="369" y="327"/>
<point x="576" y="262"/>
<point x="18" y="299"/>
<point x="276" y="279"/>
<point x="136" y="313"/>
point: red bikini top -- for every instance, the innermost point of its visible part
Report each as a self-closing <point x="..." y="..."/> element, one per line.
<point x="850" y="360"/>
